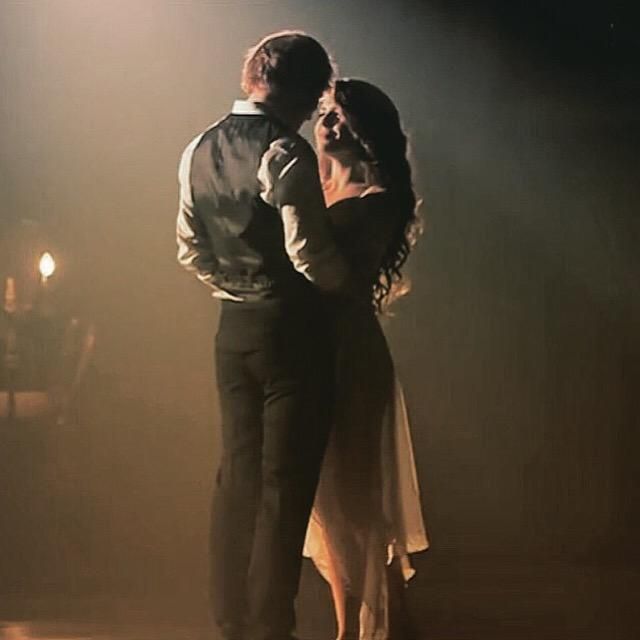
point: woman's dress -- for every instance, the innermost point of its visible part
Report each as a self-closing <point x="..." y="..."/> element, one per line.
<point x="367" y="508"/>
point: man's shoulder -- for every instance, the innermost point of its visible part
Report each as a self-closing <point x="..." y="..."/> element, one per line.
<point x="288" y="147"/>
<point x="280" y="145"/>
<point x="210" y="130"/>
<point x="288" y="169"/>
<point x="194" y="143"/>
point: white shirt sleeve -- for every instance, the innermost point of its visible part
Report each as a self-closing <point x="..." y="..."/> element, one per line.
<point x="290" y="182"/>
<point x="195" y="253"/>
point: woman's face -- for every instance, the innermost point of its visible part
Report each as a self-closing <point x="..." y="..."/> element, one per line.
<point x="332" y="132"/>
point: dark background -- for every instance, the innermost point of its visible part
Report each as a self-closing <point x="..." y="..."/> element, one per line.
<point x="519" y="347"/>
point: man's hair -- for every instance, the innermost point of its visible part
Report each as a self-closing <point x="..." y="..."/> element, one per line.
<point x="290" y="65"/>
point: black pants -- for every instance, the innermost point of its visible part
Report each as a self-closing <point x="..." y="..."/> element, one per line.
<point x="274" y="365"/>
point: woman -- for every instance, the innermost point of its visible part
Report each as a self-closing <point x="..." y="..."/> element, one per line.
<point x="367" y="515"/>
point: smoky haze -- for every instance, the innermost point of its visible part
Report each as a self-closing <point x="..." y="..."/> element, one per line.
<point x="518" y="347"/>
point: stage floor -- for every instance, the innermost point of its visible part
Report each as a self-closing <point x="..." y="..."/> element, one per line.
<point x="472" y="599"/>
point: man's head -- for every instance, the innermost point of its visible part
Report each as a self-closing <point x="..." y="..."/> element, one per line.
<point x="289" y="71"/>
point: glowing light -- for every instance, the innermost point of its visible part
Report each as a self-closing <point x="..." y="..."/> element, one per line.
<point x="47" y="265"/>
<point x="10" y="296"/>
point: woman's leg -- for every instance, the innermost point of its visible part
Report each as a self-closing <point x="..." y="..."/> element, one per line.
<point x="346" y="607"/>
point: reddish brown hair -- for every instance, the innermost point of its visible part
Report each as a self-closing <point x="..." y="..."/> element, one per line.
<point x="290" y="64"/>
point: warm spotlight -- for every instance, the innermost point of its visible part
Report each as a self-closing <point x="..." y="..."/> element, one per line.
<point x="47" y="265"/>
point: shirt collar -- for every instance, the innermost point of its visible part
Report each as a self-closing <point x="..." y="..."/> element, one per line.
<point x="247" y="108"/>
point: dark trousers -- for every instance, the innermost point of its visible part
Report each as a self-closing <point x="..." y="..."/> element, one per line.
<point x="274" y="365"/>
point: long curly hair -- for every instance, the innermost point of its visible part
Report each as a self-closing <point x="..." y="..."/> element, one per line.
<point x="375" y="123"/>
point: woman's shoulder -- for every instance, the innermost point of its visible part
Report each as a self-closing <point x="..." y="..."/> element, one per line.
<point x="375" y="200"/>
<point x="363" y="219"/>
<point x="372" y="200"/>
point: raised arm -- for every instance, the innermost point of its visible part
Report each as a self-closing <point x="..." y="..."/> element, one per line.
<point x="290" y="182"/>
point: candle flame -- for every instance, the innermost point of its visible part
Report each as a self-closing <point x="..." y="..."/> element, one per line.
<point x="47" y="265"/>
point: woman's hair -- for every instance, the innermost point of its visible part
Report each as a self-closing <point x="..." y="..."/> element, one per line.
<point x="375" y="123"/>
<point x="290" y="64"/>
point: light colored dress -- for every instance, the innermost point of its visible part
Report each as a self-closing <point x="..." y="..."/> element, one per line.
<point x="367" y="508"/>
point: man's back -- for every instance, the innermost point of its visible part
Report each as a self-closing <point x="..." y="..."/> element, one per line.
<point x="245" y="234"/>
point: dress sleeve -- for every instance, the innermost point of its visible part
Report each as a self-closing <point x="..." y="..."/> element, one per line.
<point x="290" y="182"/>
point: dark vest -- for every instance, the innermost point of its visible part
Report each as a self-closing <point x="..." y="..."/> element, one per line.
<point x="246" y="234"/>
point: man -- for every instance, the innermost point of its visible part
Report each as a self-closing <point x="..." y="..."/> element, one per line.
<point x="252" y="226"/>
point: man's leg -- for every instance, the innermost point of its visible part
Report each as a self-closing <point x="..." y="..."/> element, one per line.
<point x="298" y="390"/>
<point x="236" y="491"/>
